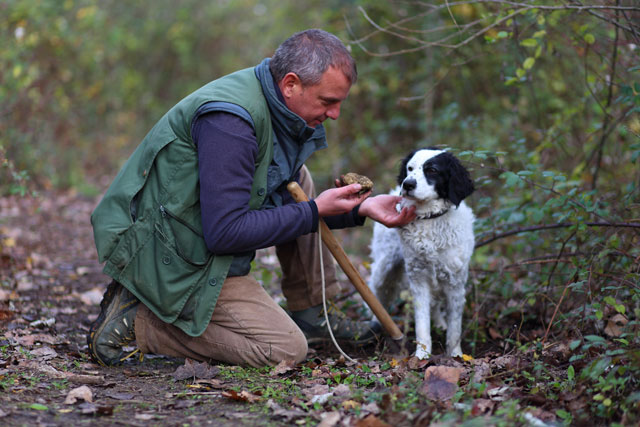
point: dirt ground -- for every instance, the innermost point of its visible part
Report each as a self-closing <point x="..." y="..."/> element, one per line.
<point x="49" y="256"/>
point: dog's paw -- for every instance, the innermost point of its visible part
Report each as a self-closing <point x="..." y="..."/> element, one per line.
<point x="422" y="352"/>
<point x="456" y="352"/>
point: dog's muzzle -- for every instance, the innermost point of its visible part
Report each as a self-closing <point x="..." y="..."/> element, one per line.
<point x="408" y="185"/>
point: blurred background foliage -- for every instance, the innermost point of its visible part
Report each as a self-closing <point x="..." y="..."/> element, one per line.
<point x="541" y="99"/>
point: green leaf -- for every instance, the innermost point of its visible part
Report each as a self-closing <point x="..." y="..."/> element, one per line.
<point x="594" y="338"/>
<point x="38" y="407"/>
<point x="539" y="34"/>
<point x="538" y="52"/>
<point x="529" y="43"/>
<point x="512" y="80"/>
<point x="528" y="63"/>
<point x="520" y="73"/>
<point x="503" y="34"/>
<point x="589" y="38"/>
<point x="571" y="373"/>
<point x="510" y="178"/>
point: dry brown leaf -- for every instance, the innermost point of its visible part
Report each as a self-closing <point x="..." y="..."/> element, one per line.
<point x="441" y="382"/>
<point x="482" y="407"/>
<point x="350" y="404"/>
<point x="283" y="367"/>
<point x="615" y="325"/>
<point x="371" y="421"/>
<point x="317" y="389"/>
<point x="193" y="369"/>
<point x="342" y="390"/>
<point x="82" y="392"/>
<point x="329" y="419"/>
<point x="243" y="396"/>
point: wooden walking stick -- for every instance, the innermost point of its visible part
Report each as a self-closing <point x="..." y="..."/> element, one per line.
<point x="341" y="257"/>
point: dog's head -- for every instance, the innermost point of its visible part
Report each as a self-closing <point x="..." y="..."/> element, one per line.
<point x="430" y="174"/>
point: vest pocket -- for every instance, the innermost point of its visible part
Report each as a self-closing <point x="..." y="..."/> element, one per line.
<point x="188" y="242"/>
<point x="167" y="280"/>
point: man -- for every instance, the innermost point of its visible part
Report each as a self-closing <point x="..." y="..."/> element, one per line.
<point x="180" y="224"/>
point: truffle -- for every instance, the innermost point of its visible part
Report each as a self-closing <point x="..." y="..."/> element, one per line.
<point x="354" y="178"/>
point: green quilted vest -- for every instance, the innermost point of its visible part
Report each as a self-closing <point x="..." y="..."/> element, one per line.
<point x="148" y="227"/>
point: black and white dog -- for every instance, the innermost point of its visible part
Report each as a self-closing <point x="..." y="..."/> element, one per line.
<point x="431" y="254"/>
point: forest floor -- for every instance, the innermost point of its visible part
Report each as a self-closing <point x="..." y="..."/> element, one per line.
<point x="50" y="289"/>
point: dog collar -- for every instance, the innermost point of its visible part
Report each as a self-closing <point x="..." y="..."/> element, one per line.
<point x="432" y="216"/>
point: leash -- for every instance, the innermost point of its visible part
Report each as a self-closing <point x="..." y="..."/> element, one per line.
<point x="324" y="299"/>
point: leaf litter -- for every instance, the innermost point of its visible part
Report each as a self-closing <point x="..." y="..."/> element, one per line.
<point x="51" y="286"/>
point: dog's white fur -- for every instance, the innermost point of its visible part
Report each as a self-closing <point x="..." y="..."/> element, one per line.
<point x="430" y="256"/>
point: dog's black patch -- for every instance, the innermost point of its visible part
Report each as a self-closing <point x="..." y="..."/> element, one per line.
<point x="403" y="167"/>
<point x="449" y="177"/>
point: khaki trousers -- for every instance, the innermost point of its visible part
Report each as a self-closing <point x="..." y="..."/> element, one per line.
<point x="248" y="327"/>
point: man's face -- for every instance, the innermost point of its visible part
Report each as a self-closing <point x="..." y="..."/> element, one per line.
<point x="318" y="102"/>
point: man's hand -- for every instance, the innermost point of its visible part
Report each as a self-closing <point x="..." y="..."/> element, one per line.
<point x="336" y="201"/>
<point x="382" y="209"/>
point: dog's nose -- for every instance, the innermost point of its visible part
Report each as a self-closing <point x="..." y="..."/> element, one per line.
<point x="409" y="184"/>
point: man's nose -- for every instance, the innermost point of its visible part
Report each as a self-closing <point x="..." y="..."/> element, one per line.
<point x="334" y="111"/>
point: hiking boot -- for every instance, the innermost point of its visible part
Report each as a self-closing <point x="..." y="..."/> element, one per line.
<point x="114" y="328"/>
<point x="313" y="324"/>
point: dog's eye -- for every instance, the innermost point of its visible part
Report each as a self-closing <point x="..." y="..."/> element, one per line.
<point x="410" y="168"/>
<point x="431" y="170"/>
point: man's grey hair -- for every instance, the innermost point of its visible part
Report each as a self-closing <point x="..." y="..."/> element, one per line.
<point x="309" y="54"/>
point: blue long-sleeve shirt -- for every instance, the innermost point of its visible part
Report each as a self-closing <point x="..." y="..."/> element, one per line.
<point x="227" y="150"/>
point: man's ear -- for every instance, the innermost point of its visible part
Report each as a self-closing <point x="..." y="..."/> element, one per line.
<point x="290" y="85"/>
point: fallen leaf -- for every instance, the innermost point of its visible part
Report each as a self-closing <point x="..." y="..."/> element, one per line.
<point x="193" y="369"/>
<point x="283" y="367"/>
<point x="329" y="419"/>
<point x="342" y="390"/>
<point x="467" y="358"/>
<point x="321" y="398"/>
<point x="30" y="340"/>
<point x="316" y="390"/>
<point x="92" y="297"/>
<point x="350" y="404"/>
<point x="371" y="408"/>
<point x="615" y="325"/>
<point x="144" y="417"/>
<point x="371" y="421"/>
<point x="119" y="396"/>
<point x="482" y="407"/>
<point x="441" y="382"/>
<point x="44" y="353"/>
<point x="82" y="392"/>
<point x="498" y="394"/>
<point x="288" y="414"/>
<point x="243" y="396"/>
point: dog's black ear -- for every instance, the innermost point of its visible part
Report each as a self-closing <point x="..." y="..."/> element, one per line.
<point x="460" y="183"/>
<point x="403" y="167"/>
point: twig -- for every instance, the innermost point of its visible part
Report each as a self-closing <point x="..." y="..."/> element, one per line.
<point x="607" y="116"/>
<point x="553" y="226"/>
<point x="564" y="292"/>
<point x="553" y="269"/>
<point x="521" y="8"/>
